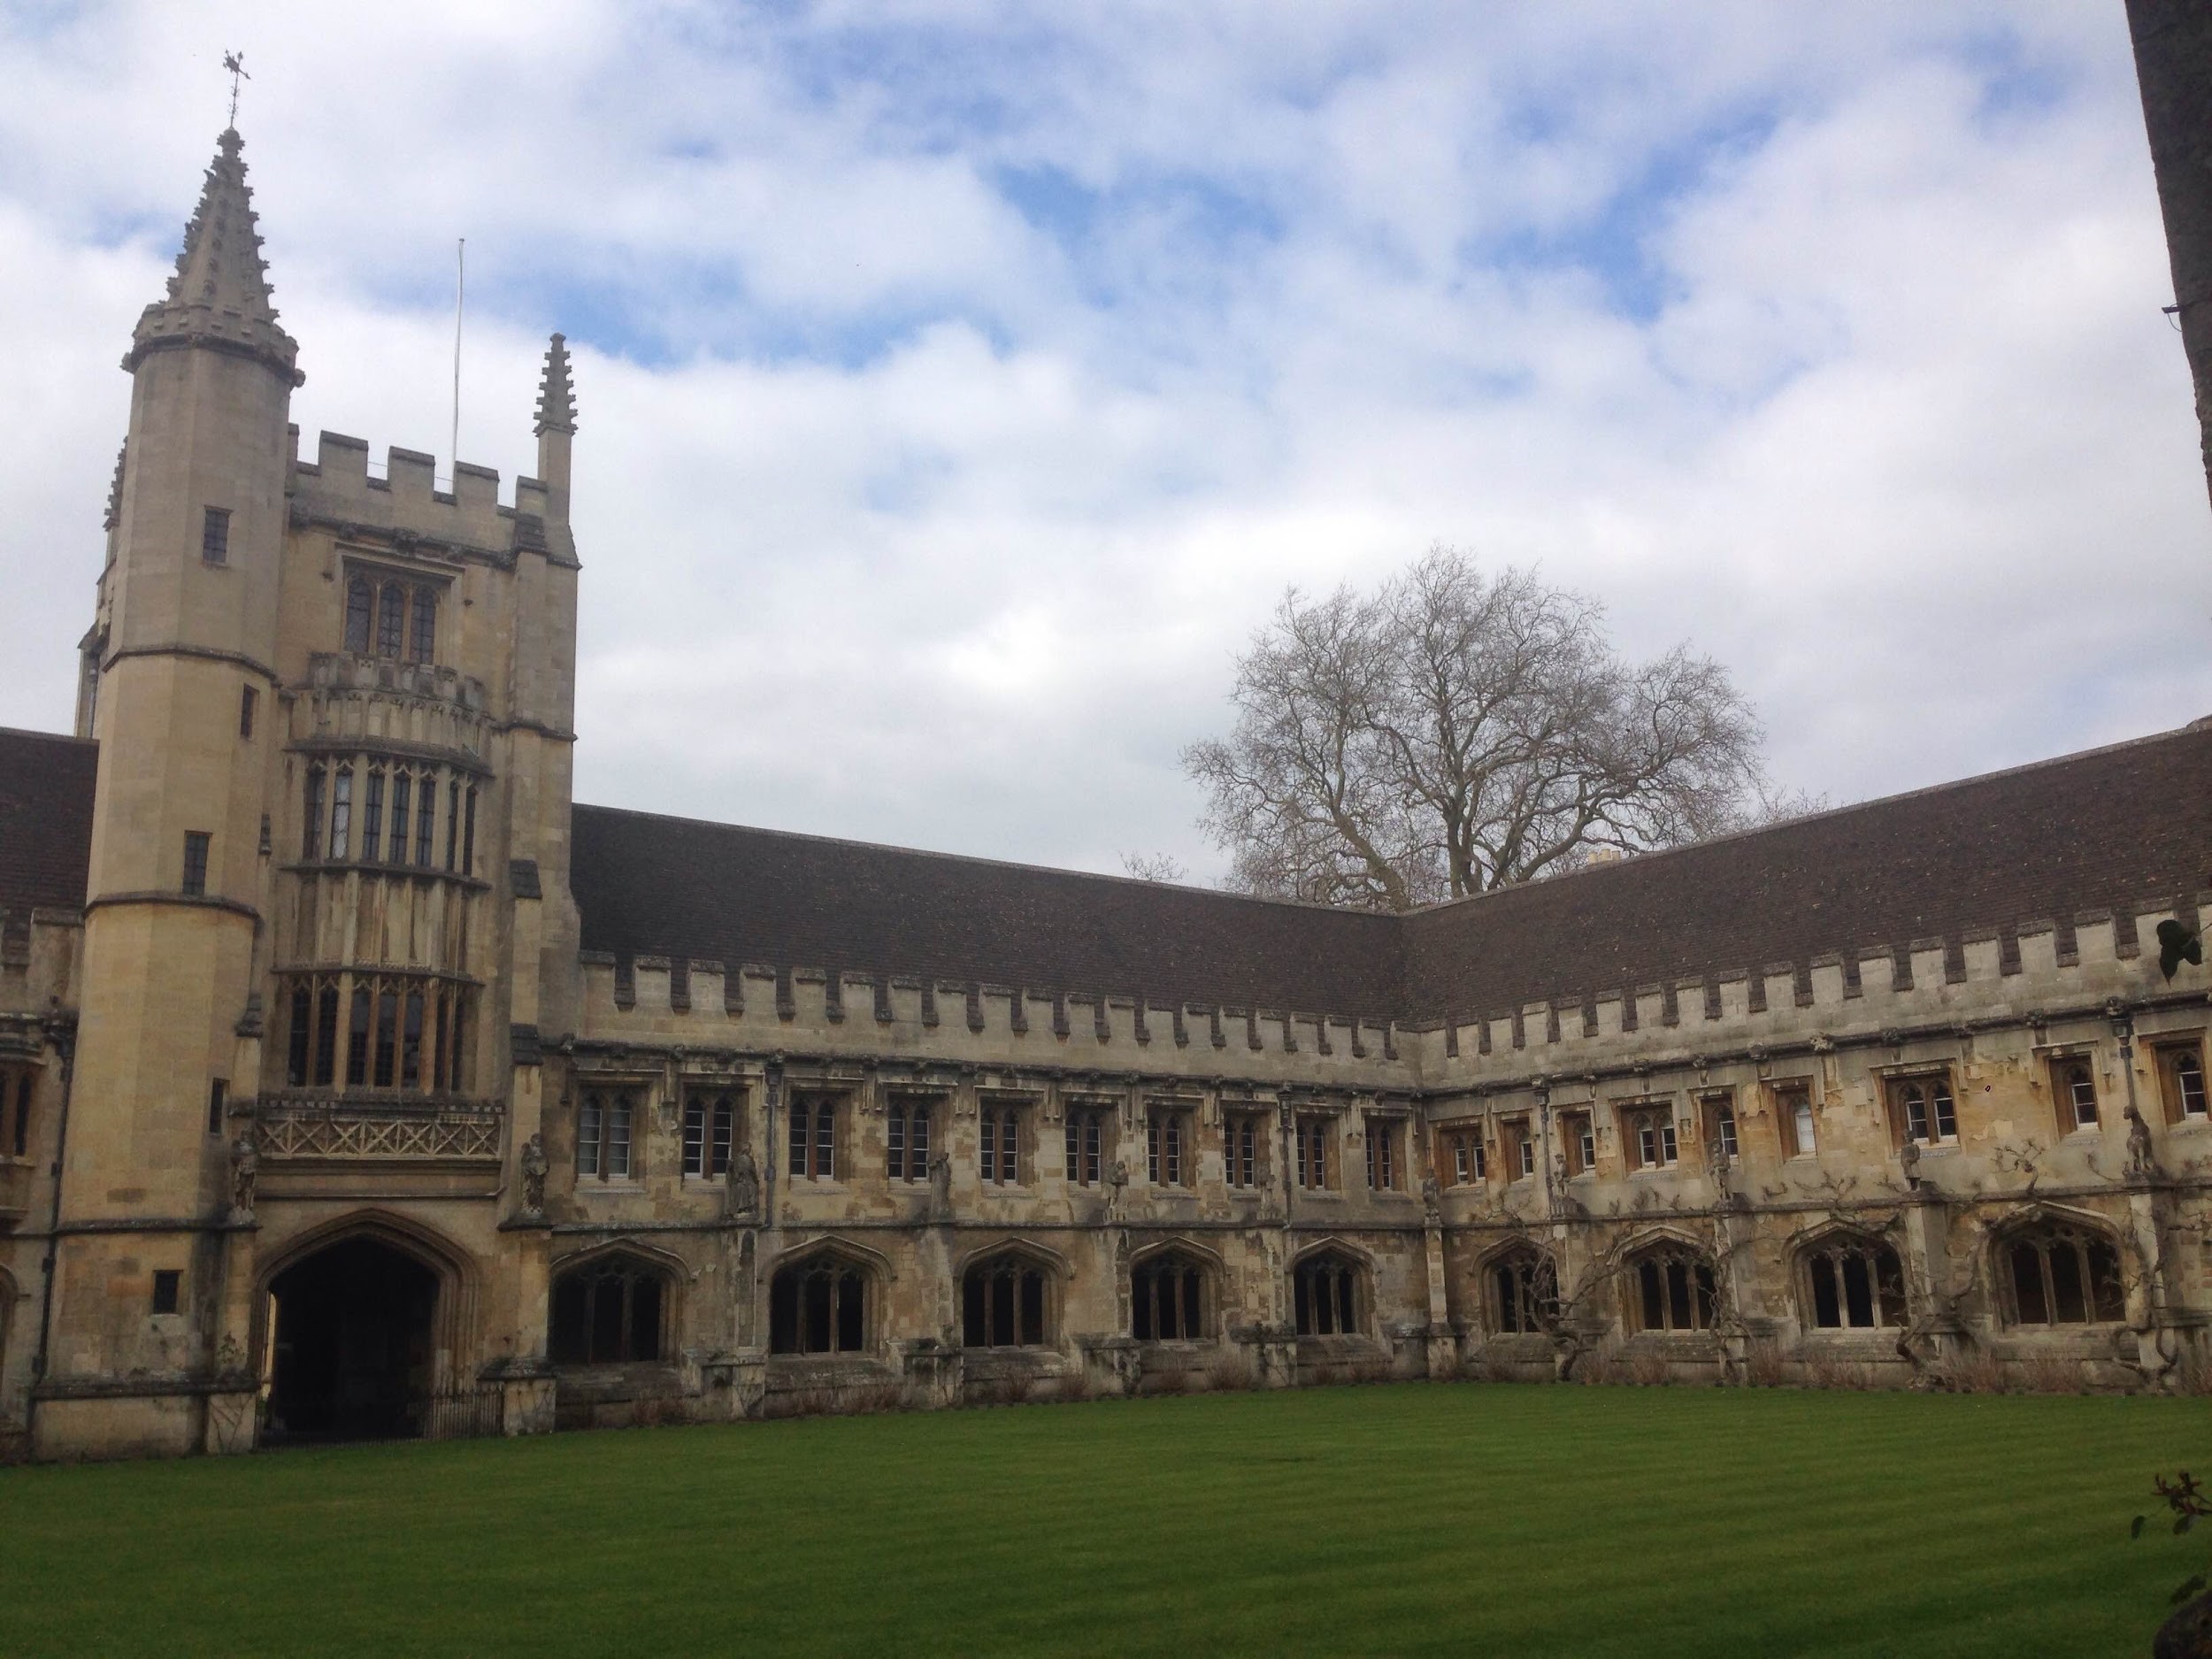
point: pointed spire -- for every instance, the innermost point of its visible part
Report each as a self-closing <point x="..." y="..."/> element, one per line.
<point x="219" y="295"/>
<point x="115" y="490"/>
<point x="556" y="398"/>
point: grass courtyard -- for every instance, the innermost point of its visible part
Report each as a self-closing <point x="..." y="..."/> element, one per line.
<point x="1462" y="1519"/>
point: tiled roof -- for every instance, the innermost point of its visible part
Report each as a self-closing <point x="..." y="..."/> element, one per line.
<point x="2104" y="830"/>
<point x="677" y="887"/>
<point x="2111" y="829"/>
<point x="45" y="821"/>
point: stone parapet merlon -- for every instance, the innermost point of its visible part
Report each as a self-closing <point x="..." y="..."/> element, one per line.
<point x="403" y="509"/>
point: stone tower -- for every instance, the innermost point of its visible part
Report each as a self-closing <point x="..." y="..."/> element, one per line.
<point x="186" y="642"/>
<point x="327" y="908"/>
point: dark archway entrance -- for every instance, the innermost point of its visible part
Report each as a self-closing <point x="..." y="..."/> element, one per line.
<point x="352" y="1346"/>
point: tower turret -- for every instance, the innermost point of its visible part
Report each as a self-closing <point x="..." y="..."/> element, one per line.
<point x="556" y="427"/>
<point x="184" y="655"/>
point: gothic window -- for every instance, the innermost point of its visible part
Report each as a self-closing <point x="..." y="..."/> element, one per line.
<point x="391" y="618"/>
<point x="453" y="824"/>
<point x="426" y="819"/>
<point x="2058" y="1274"/>
<point x="998" y="1145"/>
<point x="708" y="1122"/>
<point x="1670" y="1288"/>
<point x="359" y="603"/>
<point x="1852" y="1282"/>
<point x="1794" y="1119"/>
<point x="15" y="1111"/>
<point x="1312" y="1136"/>
<point x="1720" y="1124"/>
<point x="1241" y="1149"/>
<point x="217" y="1096"/>
<point x="1579" y="1138"/>
<point x="342" y="813"/>
<point x="311" y="848"/>
<point x="372" y="817"/>
<point x="423" y="645"/>
<point x="819" y="1306"/>
<point x="195" y="844"/>
<point x="410" y="1068"/>
<point x="1167" y="1298"/>
<point x="906" y="1138"/>
<point x="603" y="1125"/>
<point x="1167" y="1148"/>
<point x="1386" y="1156"/>
<point x="1524" y="1289"/>
<point x="1517" y="1142"/>
<point x="1648" y="1134"/>
<point x="2074" y="1089"/>
<point x="1002" y="1302"/>
<point x="1327" y="1288"/>
<point x="248" y="704"/>
<point x="402" y="799"/>
<point x="358" y="1038"/>
<point x="468" y="833"/>
<point x="1920" y="1109"/>
<point x="609" y="1312"/>
<point x="1464" y="1156"/>
<point x="2181" y="1080"/>
<point x="814" y="1137"/>
<point x="1085" y="1132"/>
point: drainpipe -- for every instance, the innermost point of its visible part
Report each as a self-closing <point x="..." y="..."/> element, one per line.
<point x="65" y="1040"/>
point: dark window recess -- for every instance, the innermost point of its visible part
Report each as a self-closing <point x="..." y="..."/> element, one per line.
<point x="195" y="862"/>
<point x="1327" y="1289"/>
<point x="1856" y="1284"/>
<point x="360" y="604"/>
<point x="312" y="842"/>
<point x="372" y="818"/>
<point x="218" y="1093"/>
<point x="19" y="1145"/>
<point x="168" y="1289"/>
<point x="1167" y="1299"/>
<point x="215" y="535"/>
<point x="1002" y="1303"/>
<point x="819" y="1306"/>
<point x="608" y="1313"/>
<point x="1673" y="1290"/>
<point x="1524" y="1293"/>
<point x="2065" y="1276"/>
<point x="249" y="699"/>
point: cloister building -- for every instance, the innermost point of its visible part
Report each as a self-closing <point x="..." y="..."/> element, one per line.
<point x="354" y="1081"/>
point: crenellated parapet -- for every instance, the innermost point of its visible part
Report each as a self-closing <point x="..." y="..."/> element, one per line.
<point x="404" y="510"/>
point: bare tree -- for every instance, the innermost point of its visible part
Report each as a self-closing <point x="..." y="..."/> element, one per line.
<point x="1455" y="733"/>
<point x="1155" y="867"/>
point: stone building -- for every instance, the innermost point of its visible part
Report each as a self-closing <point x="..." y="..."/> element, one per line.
<point x="354" y="1082"/>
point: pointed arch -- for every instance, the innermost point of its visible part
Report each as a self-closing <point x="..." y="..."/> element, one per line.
<point x="613" y="1304"/>
<point x="1518" y="1288"/>
<point x="2054" y="1265"/>
<point x="826" y="1297"/>
<point x="1174" y="1292"/>
<point x="1010" y="1296"/>
<point x="1669" y="1283"/>
<point x="1332" y="1289"/>
<point x="1847" y="1277"/>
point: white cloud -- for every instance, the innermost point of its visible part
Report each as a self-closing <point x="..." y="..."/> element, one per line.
<point x="921" y="505"/>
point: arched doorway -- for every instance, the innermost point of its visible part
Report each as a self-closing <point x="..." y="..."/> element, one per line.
<point x="352" y="1349"/>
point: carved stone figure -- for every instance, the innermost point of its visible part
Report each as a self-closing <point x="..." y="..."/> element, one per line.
<point x="941" y="1183"/>
<point x="744" y="1179"/>
<point x="1432" y="1199"/>
<point x="533" y="1170"/>
<point x="245" y="1169"/>
<point x="1116" y="1178"/>
<point x="2141" y="1159"/>
<point x="1908" y="1160"/>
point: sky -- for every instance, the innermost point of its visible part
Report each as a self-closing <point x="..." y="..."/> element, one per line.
<point x="960" y="383"/>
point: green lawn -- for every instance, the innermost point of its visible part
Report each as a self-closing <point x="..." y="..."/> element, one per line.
<point x="1462" y="1519"/>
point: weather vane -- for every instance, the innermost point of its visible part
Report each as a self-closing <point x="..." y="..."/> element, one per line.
<point x="235" y="62"/>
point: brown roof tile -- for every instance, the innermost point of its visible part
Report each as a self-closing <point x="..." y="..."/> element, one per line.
<point x="45" y="821"/>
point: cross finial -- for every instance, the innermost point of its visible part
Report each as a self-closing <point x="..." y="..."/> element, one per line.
<point x="235" y="62"/>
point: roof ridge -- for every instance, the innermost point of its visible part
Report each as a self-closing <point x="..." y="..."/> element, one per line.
<point x="51" y="737"/>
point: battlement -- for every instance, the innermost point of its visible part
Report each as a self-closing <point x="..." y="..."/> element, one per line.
<point x="340" y="490"/>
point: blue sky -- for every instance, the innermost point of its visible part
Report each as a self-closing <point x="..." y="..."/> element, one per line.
<point x="961" y="383"/>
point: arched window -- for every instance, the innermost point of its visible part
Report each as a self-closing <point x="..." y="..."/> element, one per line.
<point x="2062" y="1275"/>
<point x="357" y="607"/>
<point x="1524" y="1292"/>
<point x="423" y="645"/>
<point x="1852" y="1282"/>
<point x="1167" y="1299"/>
<point x="819" y="1306"/>
<point x="1002" y="1303"/>
<point x="608" y="1312"/>
<point x="391" y="618"/>
<point x="1327" y="1288"/>
<point x="1670" y="1288"/>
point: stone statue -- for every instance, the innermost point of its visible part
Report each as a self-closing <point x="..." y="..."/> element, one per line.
<point x="744" y="1176"/>
<point x="1908" y="1160"/>
<point x="245" y="1169"/>
<point x="1116" y="1178"/>
<point x="1432" y="1199"/>
<point x="941" y="1183"/>
<point x="534" y="1169"/>
<point x="2141" y="1160"/>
